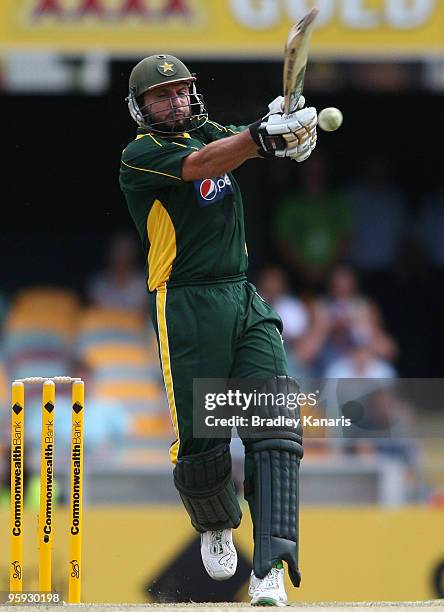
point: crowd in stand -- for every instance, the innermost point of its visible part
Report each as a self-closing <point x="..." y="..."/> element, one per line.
<point x="337" y="335"/>
<point x="369" y="243"/>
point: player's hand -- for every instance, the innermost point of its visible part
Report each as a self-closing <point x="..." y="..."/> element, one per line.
<point x="277" y="105"/>
<point x="292" y="135"/>
<point x="301" y="142"/>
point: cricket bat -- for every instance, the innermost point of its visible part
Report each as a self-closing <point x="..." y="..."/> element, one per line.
<point x="295" y="61"/>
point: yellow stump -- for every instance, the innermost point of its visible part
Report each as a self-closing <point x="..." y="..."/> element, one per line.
<point x="75" y="508"/>
<point x="17" y="469"/>
<point x="46" y="518"/>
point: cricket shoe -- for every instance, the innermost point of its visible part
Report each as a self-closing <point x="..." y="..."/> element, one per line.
<point x="218" y="554"/>
<point x="270" y="590"/>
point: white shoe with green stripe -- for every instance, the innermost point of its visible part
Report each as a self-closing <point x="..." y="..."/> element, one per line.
<point x="218" y="554"/>
<point x="268" y="591"/>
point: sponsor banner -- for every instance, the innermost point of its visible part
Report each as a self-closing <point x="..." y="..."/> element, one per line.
<point x="202" y="28"/>
<point x="151" y="554"/>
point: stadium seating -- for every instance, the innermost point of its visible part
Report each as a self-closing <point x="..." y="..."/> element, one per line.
<point x="47" y="332"/>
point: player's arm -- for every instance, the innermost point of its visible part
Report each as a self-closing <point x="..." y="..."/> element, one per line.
<point x="219" y="157"/>
<point x="275" y="135"/>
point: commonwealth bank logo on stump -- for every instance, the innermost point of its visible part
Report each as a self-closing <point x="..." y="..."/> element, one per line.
<point x="47" y="469"/>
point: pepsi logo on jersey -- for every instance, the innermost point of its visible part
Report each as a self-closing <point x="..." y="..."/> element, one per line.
<point x="212" y="190"/>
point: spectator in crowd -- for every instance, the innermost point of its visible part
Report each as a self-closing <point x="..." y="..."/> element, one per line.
<point x="359" y="361"/>
<point x="312" y="225"/>
<point x="344" y="320"/>
<point x="273" y="287"/>
<point x="378" y="214"/>
<point x="121" y="285"/>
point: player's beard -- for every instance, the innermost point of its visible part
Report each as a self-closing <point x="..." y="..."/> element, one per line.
<point x="171" y="125"/>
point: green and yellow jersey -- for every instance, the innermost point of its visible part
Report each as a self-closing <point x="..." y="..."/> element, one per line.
<point x="192" y="232"/>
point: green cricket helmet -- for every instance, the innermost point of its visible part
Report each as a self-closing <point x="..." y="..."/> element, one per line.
<point x="155" y="71"/>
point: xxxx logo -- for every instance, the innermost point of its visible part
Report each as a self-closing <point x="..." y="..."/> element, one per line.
<point x="75" y="568"/>
<point x="104" y="9"/>
<point x="17" y="570"/>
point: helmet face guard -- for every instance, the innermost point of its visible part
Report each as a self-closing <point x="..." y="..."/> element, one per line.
<point x="145" y="116"/>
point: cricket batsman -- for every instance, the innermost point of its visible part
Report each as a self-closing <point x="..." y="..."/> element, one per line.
<point x="210" y="322"/>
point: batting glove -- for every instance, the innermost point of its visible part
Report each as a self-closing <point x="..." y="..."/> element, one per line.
<point x="277" y="105"/>
<point x="301" y="142"/>
<point x="292" y="135"/>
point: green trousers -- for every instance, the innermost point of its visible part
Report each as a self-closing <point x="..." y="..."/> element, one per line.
<point x="224" y="330"/>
